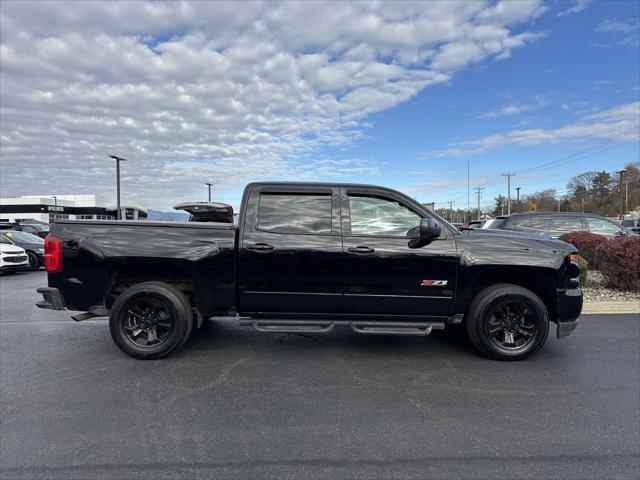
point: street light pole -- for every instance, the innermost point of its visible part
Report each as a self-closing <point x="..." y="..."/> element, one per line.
<point x="209" y="185"/>
<point x="118" y="160"/>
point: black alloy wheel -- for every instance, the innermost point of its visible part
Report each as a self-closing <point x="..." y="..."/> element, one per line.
<point x="507" y="322"/>
<point x="148" y="323"/>
<point x="512" y="324"/>
<point x="150" y="320"/>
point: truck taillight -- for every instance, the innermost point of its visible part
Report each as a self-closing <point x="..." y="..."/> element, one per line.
<point x="53" y="253"/>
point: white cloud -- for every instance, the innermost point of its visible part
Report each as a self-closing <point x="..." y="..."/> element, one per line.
<point x="620" y="124"/>
<point x="626" y="32"/>
<point x="577" y="7"/>
<point x="224" y="92"/>
<point x="518" y="107"/>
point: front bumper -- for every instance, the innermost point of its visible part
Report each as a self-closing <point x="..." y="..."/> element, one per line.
<point x="8" y="267"/>
<point x="569" y="309"/>
<point x="51" y="299"/>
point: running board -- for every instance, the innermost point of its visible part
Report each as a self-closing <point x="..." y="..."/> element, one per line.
<point x="359" y="327"/>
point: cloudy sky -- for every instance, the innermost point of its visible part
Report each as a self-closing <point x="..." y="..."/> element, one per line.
<point x="400" y="94"/>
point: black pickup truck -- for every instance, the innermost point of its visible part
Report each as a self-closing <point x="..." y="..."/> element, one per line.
<point x="308" y="257"/>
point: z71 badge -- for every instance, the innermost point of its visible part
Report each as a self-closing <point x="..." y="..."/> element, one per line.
<point x="433" y="283"/>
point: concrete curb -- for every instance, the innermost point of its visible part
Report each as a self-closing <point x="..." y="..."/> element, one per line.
<point x="611" y="307"/>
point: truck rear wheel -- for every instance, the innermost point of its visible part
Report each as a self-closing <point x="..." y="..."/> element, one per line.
<point x="150" y="320"/>
<point x="507" y="322"/>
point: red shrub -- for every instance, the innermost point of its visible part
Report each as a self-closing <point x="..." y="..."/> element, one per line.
<point x="620" y="262"/>
<point x="587" y="244"/>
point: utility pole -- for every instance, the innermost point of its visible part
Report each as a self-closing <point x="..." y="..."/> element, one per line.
<point x="508" y="175"/>
<point x="118" y="160"/>
<point x="468" y="191"/>
<point x="626" y="194"/>
<point x="478" y="192"/>
<point x="518" y="195"/>
<point x="450" y="211"/>
<point x="622" y="212"/>
<point x="558" y="205"/>
<point x="209" y="185"/>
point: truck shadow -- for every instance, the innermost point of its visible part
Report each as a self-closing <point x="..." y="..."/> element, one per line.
<point x="226" y="335"/>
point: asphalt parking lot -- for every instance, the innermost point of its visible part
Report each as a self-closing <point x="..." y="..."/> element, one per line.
<point x="241" y="404"/>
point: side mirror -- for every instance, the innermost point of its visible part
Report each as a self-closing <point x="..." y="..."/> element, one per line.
<point x="429" y="229"/>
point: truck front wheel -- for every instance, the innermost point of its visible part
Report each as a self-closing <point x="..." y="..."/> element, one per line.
<point x="507" y="322"/>
<point x="150" y="320"/>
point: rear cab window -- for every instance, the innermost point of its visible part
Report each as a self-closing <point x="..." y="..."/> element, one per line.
<point x="296" y="213"/>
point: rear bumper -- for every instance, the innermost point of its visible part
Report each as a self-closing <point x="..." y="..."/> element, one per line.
<point x="51" y="299"/>
<point x="569" y="309"/>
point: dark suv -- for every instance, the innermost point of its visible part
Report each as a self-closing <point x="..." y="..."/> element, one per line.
<point x="554" y="224"/>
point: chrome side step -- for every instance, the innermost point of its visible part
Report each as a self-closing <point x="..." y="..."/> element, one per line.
<point x="359" y="327"/>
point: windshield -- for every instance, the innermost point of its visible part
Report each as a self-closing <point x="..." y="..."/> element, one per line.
<point x="35" y="226"/>
<point x="494" y="223"/>
<point x="23" y="237"/>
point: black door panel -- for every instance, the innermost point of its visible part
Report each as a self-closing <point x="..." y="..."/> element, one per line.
<point x="383" y="275"/>
<point x="290" y="252"/>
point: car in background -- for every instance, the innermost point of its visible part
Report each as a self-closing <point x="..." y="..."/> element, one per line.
<point x="480" y="223"/>
<point x="492" y="223"/>
<point x="633" y="225"/>
<point x="12" y="258"/>
<point x="32" y="244"/>
<point x="460" y="226"/>
<point x="10" y="226"/>
<point x="554" y="224"/>
<point x="208" y="211"/>
<point x="39" y="229"/>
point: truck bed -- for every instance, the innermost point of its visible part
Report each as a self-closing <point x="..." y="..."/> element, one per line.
<point x="100" y="256"/>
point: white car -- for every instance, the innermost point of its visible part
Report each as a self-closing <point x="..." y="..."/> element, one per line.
<point x="12" y="257"/>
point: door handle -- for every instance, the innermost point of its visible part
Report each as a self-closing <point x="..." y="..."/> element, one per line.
<point x="360" y="249"/>
<point x="260" y="246"/>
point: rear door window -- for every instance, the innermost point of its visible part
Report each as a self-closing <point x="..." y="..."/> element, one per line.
<point x="562" y="225"/>
<point x="533" y="224"/>
<point x="295" y="213"/>
<point x="602" y="226"/>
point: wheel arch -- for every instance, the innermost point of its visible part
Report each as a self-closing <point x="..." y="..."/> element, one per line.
<point x="539" y="280"/>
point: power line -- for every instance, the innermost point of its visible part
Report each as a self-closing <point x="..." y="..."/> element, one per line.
<point x="586" y="153"/>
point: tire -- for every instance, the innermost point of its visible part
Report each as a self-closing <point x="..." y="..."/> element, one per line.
<point x="507" y="322"/>
<point x="150" y="320"/>
<point x="34" y="263"/>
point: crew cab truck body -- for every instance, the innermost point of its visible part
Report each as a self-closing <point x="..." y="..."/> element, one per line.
<point x="311" y="257"/>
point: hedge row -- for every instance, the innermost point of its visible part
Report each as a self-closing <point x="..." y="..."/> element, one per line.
<point x="618" y="258"/>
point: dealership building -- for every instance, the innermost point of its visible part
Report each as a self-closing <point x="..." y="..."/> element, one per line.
<point x="48" y="208"/>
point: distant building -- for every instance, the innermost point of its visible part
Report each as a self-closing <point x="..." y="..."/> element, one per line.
<point x="47" y="208"/>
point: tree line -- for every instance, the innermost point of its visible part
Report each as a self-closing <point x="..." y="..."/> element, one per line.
<point x="598" y="192"/>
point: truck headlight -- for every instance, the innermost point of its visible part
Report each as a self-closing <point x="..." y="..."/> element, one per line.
<point x="40" y="251"/>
